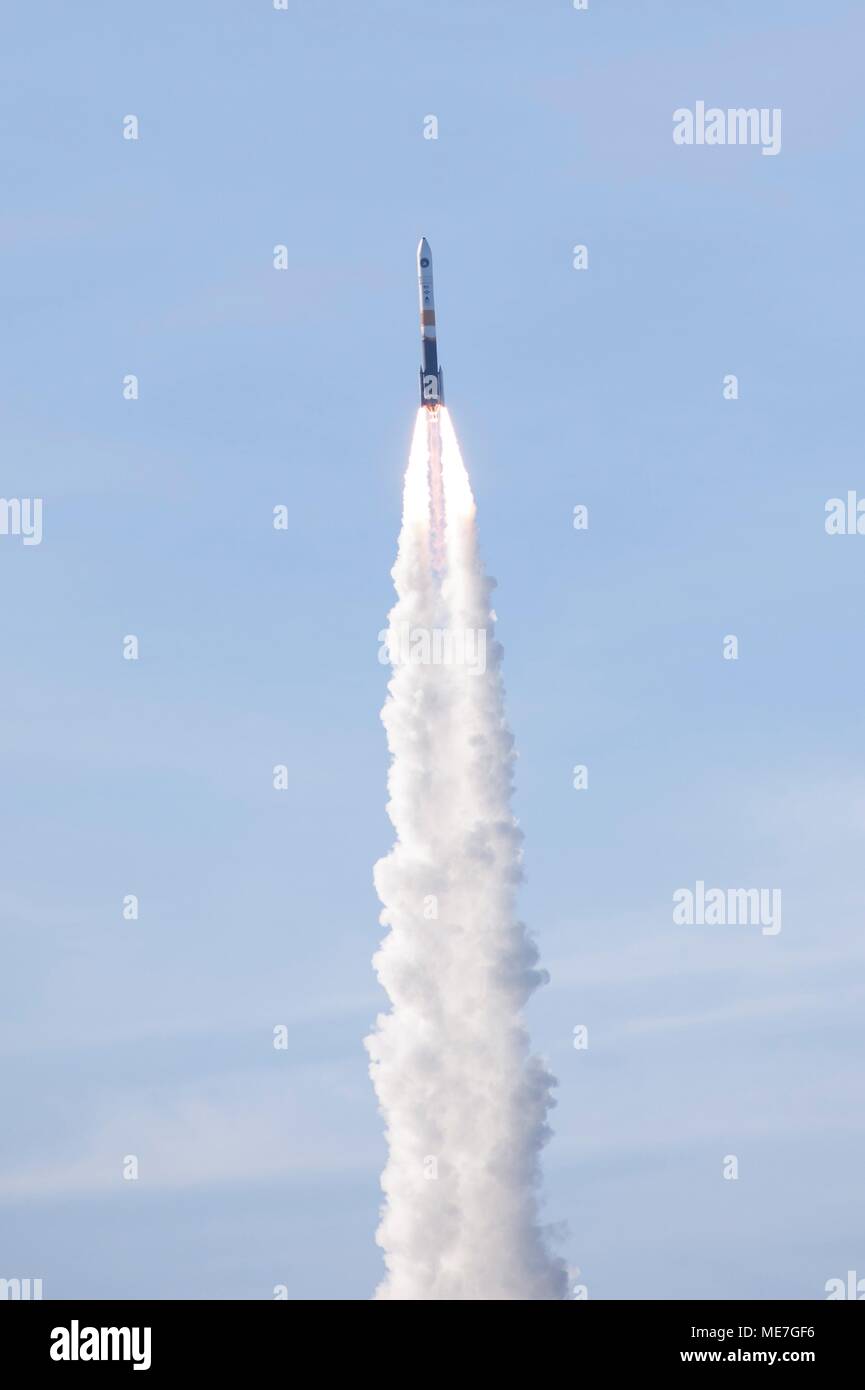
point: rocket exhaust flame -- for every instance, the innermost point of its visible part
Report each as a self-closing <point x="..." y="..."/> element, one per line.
<point x="465" y="1104"/>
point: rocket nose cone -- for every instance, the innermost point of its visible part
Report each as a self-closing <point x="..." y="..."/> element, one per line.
<point x="423" y="248"/>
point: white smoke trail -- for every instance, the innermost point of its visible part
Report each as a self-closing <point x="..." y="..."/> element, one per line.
<point x="464" y="1103"/>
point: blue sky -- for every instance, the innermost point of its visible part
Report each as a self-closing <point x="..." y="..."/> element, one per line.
<point x="260" y="387"/>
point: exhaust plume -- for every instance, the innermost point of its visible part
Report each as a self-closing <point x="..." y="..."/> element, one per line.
<point x="465" y="1104"/>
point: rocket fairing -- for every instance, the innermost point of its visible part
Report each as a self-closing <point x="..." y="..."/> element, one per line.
<point x="431" y="386"/>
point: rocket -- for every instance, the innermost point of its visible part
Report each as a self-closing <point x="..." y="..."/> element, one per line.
<point x="431" y="387"/>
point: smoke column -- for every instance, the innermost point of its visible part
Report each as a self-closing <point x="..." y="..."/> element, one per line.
<point x="464" y="1102"/>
